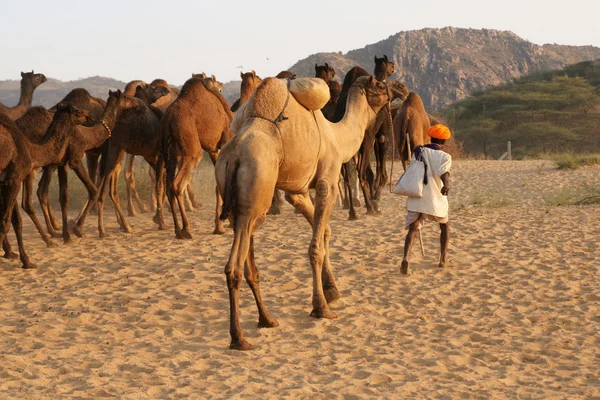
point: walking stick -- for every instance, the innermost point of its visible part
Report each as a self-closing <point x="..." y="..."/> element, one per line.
<point x="409" y="157"/>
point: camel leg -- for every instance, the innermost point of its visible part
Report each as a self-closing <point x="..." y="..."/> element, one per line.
<point x="27" y="205"/>
<point x="132" y="193"/>
<point x="302" y="203"/>
<point x="17" y="224"/>
<point x="186" y="200"/>
<point x="64" y="203"/>
<point x="182" y="179"/>
<point x="275" y="209"/>
<point x="80" y="171"/>
<point x="252" y="279"/>
<point x="8" y="253"/>
<point x="115" y="155"/>
<point x="219" y="228"/>
<point x="152" y="176"/>
<point x="93" y="162"/>
<point x="170" y="166"/>
<point x="346" y="171"/>
<point x="381" y="179"/>
<point x="190" y="192"/>
<point x="324" y="202"/>
<point x="44" y="199"/>
<point x="9" y="189"/>
<point x="114" y="196"/>
<point x="159" y="192"/>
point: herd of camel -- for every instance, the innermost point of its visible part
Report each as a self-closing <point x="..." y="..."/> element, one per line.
<point x="265" y="144"/>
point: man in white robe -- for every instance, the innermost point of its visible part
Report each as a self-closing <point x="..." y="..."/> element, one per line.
<point x="434" y="203"/>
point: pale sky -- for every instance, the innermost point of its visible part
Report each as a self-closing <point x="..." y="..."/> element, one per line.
<point x="130" y="39"/>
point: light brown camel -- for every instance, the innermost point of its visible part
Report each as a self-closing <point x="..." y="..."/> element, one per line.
<point x="249" y="82"/>
<point x="50" y="149"/>
<point x="412" y="119"/>
<point x="280" y="144"/>
<point x="29" y="82"/>
<point x="150" y="94"/>
<point x="197" y="121"/>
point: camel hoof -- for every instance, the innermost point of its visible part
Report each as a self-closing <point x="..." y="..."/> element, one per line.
<point x="241" y="345"/>
<point x="162" y="227"/>
<point x="77" y="231"/>
<point x="132" y="213"/>
<point x="404" y="269"/>
<point x="219" y="231"/>
<point x="56" y="235"/>
<point x="157" y="219"/>
<point x="356" y="202"/>
<point x="371" y="212"/>
<point x="270" y="323"/>
<point x="186" y="234"/>
<point x="352" y="217"/>
<point x="323" y="313"/>
<point x="29" y="265"/>
<point x="68" y="242"/>
<point x="11" y="255"/>
<point x="274" y="210"/>
<point x="51" y="245"/>
<point x="196" y="204"/>
<point x="331" y="294"/>
<point x="103" y="235"/>
<point x="128" y="229"/>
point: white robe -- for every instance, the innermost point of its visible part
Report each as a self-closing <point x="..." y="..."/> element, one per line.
<point x="433" y="201"/>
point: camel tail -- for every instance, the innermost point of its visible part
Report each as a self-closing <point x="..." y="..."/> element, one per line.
<point x="229" y="196"/>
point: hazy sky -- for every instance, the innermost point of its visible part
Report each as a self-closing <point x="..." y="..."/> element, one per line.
<point x="130" y="39"/>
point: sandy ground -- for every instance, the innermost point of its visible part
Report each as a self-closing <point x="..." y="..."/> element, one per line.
<point x="143" y="315"/>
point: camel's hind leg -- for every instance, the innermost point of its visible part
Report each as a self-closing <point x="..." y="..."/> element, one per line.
<point x="219" y="228"/>
<point x="252" y="278"/>
<point x="182" y="180"/>
<point x="303" y="203"/>
<point x="17" y="224"/>
<point x="132" y="193"/>
<point x="44" y="199"/>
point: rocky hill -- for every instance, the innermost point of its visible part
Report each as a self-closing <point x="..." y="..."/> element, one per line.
<point x="445" y="65"/>
<point x="441" y="65"/>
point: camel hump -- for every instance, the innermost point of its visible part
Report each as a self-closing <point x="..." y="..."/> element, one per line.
<point x="312" y="93"/>
<point x="269" y="99"/>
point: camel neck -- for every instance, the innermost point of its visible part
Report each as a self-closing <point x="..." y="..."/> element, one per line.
<point x="26" y="97"/>
<point x="45" y="150"/>
<point x="350" y="131"/>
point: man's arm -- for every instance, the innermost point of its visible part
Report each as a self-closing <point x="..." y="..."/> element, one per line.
<point x="445" y="178"/>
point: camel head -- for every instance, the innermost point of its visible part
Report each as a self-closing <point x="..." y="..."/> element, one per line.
<point x="213" y="84"/>
<point x="376" y="92"/>
<point x="335" y="88"/>
<point x="119" y="101"/>
<point x="324" y="72"/>
<point x="76" y="115"/>
<point x="201" y="75"/>
<point x="249" y="81"/>
<point x="150" y="93"/>
<point x="383" y="68"/>
<point x="397" y="90"/>
<point x="33" y="79"/>
<point x="284" y="75"/>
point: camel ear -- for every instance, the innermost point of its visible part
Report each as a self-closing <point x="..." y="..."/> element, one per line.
<point x="375" y="59"/>
<point x="119" y="92"/>
<point x="241" y="75"/>
<point x="110" y="92"/>
<point x="316" y="67"/>
<point x="253" y="74"/>
<point x="385" y="57"/>
<point x="370" y="80"/>
<point x="22" y="74"/>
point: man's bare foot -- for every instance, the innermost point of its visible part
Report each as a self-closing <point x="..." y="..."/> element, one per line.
<point x="404" y="269"/>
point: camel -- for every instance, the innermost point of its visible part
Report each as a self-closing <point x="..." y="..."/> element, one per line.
<point x="29" y="82"/>
<point x="383" y="68"/>
<point x="82" y="138"/>
<point x="335" y="89"/>
<point x="279" y="144"/>
<point x="249" y="82"/>
<point x="34" y="123"/>
<point x="324" y="72"/>
<point x="50" y="149"/>
<point x="197" y="121"/>
<point x="411" y="120"/>
<point x="149" y="94"/>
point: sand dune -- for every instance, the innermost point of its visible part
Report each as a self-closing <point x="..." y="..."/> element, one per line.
<point x="143" y="315"/>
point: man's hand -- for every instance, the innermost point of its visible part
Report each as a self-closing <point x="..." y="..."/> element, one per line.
<point x="445" y="190"/>
<point x="445" y="178"/>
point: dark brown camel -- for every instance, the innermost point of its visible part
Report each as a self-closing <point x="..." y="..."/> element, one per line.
<point x="197" y="121"/>
<point x="412" y="119"/>
<point x="324" y="72"/>
<point x="36" y="124"/>
<point x="29" y="82"/>
<point x="15" y="164"/>
<point x="335" y="88"/>
<point x="82" y="138"/>
<point x="50" y="149"/>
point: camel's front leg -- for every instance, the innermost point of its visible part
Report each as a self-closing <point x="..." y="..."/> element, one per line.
<point x="326" y="191"/>
<point x="303" y="203"/>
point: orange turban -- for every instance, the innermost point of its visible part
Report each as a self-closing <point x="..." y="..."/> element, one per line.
<point x="439" y="131"/>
